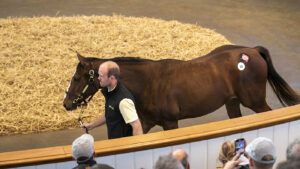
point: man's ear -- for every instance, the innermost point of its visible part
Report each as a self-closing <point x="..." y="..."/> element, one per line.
<point x="251" y="162"/>
<point x="112" y="77"/>
<point x="82" y="59"/>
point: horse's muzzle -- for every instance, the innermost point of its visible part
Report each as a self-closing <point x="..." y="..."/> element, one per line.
<point x="69" y="107"/>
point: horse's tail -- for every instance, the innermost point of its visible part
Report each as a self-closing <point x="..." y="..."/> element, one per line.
<point x="285" y="94"/>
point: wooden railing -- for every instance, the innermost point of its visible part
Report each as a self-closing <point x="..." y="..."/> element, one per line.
<point x="155" y="140"/>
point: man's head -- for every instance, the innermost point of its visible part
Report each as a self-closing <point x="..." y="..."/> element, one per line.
<point x="182" y="156"/>
<point x="83" y="147"/>
<point x="261" y="152"/>
<point x="109" y="73"/>
<point x="168" y="162"/>
<point x="293" y="150"/>
<point x="289" y="164"/>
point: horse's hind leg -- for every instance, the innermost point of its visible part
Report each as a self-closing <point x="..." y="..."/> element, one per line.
<point x="233" y="108"/>
<point x="260" y="107"/>
<point x="256" y="98"/>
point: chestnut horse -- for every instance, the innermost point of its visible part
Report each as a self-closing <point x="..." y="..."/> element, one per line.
<point x="168" y="90"/>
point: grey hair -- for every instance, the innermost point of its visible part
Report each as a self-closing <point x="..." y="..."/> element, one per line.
<point x="291" y="154"/>
<point x="168" y="162"/>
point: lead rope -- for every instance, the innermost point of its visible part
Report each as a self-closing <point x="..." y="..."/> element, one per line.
<point x="80" y="120"/>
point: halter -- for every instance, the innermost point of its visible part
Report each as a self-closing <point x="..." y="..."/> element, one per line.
<point x="79" y="99"/>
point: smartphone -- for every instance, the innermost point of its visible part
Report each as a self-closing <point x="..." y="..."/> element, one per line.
<point x="240" y="145"/>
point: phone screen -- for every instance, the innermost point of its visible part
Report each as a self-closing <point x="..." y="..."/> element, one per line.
<point x="240" y="145"/>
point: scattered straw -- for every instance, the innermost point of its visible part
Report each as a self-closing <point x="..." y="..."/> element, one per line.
<point x="36" y="63"/>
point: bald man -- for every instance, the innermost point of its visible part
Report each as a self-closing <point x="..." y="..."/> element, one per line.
<point x="120" y="114"/>
<point x="181" y="156"/>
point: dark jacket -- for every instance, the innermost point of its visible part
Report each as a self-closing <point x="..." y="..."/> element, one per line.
<point x="102" y="166"/>
<point x="85" y="162"/>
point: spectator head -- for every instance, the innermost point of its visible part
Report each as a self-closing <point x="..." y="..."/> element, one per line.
<point x="293" y="150"/>
<point x="168" y="162"/>
<point x="261" y="152"/>
<point x="289" y="164"/>
<point x="83" y="147"/>
<point x="101" y="166"/>
<point x="182" y="156"/>
<point x="227" y="152"/>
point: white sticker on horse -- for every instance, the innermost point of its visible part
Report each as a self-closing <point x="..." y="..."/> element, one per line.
<point x="241" y="66"/>
<point x="245" y="57"/>
<point x="243" y="60"/>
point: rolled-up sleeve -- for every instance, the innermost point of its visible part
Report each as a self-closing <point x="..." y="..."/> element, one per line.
<point x="128" y="111"/>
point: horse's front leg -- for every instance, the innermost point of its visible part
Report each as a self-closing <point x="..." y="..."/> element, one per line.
<point x="169" y="125"/>
<point x="147" y="125"/>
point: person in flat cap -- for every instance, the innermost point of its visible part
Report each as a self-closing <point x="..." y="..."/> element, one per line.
<point x="83" y="151"/>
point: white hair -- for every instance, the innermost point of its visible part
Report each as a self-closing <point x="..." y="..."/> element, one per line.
<point x="168" y="162"/>
<point x="293" y="150"/>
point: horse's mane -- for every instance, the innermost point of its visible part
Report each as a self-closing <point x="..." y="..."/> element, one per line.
<point x="119" y="59"/>
<point x="129" y="59"/>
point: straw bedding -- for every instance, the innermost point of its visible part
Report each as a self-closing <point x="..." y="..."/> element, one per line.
<point x="36" y="63"/>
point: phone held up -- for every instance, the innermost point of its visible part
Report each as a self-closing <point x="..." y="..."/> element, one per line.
<point x="240" y="145"/>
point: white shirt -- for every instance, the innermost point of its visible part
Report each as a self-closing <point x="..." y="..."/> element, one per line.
<point x="128" y="110"/>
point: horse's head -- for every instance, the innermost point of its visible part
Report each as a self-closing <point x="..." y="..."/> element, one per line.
<point x="83" y="85"/>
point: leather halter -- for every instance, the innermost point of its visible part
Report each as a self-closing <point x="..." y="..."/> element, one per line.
<point x="82" y="99"/>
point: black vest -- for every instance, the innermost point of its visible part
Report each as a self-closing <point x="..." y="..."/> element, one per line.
<point x="116" y="126"/>
<point x="84" y="163"/>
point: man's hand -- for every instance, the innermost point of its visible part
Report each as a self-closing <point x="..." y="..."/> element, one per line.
<point x="87" y="126"/>
<point x="98" y="122"/>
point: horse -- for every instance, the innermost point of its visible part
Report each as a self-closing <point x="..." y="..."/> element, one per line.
<point x="169" y="90"/>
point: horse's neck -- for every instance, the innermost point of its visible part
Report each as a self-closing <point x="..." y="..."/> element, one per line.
<point x="131" y="69"/>
<point x="121" y="61"/>
<point x="96" y="64"/>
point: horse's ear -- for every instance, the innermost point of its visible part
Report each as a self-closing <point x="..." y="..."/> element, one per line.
<point x="82" y="59"/>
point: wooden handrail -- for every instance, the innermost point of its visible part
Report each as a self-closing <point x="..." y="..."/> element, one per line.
<point x="155" y="140"/>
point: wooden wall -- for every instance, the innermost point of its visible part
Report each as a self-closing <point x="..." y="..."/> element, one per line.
<point x="202" y="142"/>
